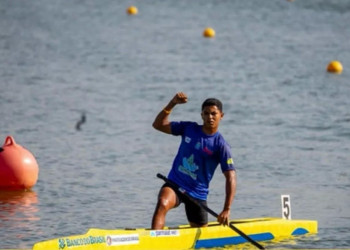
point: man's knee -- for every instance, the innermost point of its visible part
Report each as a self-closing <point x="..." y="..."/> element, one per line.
<point x="164" y="204"/>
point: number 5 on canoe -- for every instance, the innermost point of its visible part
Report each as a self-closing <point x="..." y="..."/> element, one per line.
<point x="286" y="208"/>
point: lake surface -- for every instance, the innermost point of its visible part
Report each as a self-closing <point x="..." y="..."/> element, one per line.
<point x="286" y="118"/>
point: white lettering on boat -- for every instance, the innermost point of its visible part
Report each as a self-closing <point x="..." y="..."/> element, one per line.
<point x="164" y="233"/>
<point x="126" y="239"/>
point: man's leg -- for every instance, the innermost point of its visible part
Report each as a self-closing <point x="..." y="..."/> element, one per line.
<point x="167" y="199"/>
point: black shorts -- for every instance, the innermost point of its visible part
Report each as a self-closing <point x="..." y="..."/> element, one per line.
<point x="194" y="213"/>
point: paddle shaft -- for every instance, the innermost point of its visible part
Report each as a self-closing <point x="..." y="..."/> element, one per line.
<point x="183" y="192"/>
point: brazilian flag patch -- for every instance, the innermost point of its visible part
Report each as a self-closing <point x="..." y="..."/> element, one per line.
<point x="229" y="161"/>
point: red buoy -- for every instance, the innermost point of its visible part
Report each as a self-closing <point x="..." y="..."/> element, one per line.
<point x="18" y="167"/>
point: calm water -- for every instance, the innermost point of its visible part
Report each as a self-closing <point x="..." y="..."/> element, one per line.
<point x="287" y="120"/>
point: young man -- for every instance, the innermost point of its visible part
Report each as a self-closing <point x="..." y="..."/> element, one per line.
<point x="202" y="148"/>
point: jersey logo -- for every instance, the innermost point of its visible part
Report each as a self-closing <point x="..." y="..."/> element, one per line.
<point x="208" y="151"/>
<point x="198" y="146"/>
<point x="188" y="167"/>
<point x="187" y="139"/>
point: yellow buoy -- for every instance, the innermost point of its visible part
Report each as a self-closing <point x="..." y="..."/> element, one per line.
<point x="132" y="10"/>
<point x="335" y="67"/>
<point x="209" y="32"/>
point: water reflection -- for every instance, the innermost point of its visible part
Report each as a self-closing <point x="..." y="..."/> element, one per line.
<point x="18" y="213"/>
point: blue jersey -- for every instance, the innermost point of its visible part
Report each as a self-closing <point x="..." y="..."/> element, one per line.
<point x="198" y="156"/>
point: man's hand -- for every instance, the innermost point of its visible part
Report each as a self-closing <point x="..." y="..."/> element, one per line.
<point x="224" y="217"/>
<point x="179" y="98"/>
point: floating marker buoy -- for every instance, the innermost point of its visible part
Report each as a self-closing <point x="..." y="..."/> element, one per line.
<point x="209" y="32"/>
<point x="18" y="167"/>
<point x="132" y="10"/>
<point x="335" y="67"/>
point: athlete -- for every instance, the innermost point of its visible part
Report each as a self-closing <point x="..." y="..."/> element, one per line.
<point x="202" y="148"/>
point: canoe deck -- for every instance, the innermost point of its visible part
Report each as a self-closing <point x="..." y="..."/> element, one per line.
<point x="183" y="237"/>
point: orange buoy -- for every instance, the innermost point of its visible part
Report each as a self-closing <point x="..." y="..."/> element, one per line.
<point x="335" y="67"/>
<point x="132" y="10"/>
<point x="209" y="32"/>
<point x="18" y="167"/>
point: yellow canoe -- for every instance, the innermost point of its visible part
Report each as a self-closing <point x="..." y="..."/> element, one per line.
<point x="183" y="237"/>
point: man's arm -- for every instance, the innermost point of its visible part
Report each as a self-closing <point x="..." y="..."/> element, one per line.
<point x="224" y="216"/>
<point x="161" y="122"/>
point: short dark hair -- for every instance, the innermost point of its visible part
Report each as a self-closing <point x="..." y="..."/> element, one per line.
<point x="212" y="102"/>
